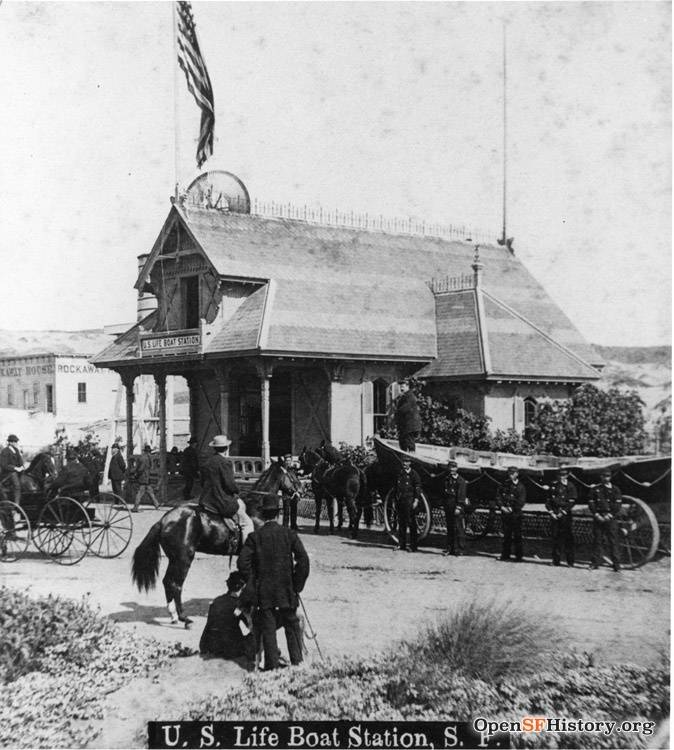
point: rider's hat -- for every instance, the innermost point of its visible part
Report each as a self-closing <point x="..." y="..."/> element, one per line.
<point x="12" y="439"/>
<point x="270" y="503"/>
<point x="220" y="441"/>
<point x="148" y="449"/>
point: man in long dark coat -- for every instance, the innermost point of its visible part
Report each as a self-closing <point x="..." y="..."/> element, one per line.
<point x="562" y="496"/>
<point x="11" y="465"/>
<point x="408" y="420"/>
<point x="189" y="468"/>
<point x="142" y="472"/>
<point x="73" y="478"/>
<point x="605" y="504"/>
<point x="220" y="494"/>
<point x="406" y="491"/>
<point x="510" y="499"/>
<point x="454" y="504"/>
<point x="117" y="470"/>
<point x="274" y="560"/>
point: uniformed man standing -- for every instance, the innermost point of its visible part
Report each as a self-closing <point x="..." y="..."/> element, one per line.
<point x="11" y="466"/>
<point x="406" y="491"/>
<point x="562" y="496"/>
<point x="220" y="493"/>
<point x="275" y="561"/>
<point x="605" y="504"/>
<point x="289" y="502"/>
<point x="408" y="420"/>
<point x="510" y="500"/>
<point x="189" y="468"/>
<point x="454" y="502"/>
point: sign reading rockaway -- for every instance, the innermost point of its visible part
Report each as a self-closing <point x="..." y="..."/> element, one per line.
<point x="162" y="346"/>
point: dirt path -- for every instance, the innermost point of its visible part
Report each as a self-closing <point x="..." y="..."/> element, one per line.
<point x="361" y="598"/>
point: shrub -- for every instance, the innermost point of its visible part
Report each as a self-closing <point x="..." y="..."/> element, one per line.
<point x="357" y="454"/>
<point x="483" y="640"/>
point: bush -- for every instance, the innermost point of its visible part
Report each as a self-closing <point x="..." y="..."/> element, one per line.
<point x="357" y="455"/>
<point x="58" y="660"/>
<point x="483" y="640"/>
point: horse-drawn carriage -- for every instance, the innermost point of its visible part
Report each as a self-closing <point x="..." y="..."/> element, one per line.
<point x="645" y="482"/>
<point x="63" y="526"/>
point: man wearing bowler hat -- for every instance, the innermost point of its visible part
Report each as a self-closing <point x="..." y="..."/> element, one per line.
<point x="142" y="472"/>
<point x="11" y="465"/>
<point x="220" y="493"/>
<point x="274" y="561"/>
<point x="562" y="496"/>
<point x="605" y="504"/>
<point x="510" y="500"/>
<point x="454" y="504"/>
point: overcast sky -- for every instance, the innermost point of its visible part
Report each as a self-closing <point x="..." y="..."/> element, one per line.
<point x="389" y="108"/>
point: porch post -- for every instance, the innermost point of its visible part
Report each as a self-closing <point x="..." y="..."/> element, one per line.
<point x="264" y="371"/>
<point x="191" y="387"/>
<point x="222" y="376"/>
<point x="160" y="380"/>
<point x="127" y="381"/>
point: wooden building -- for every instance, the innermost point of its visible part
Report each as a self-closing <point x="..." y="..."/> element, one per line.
<point x="290" y="331"/>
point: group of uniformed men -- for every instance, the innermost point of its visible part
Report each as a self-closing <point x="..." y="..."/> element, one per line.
<point x="604" y="504"/>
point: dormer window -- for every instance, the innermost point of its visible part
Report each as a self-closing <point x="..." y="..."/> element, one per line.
<point x="190" y="300"/>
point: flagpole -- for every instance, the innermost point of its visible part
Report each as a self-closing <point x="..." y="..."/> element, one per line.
<point x="176" y="120"/>
<point x="505" y="130"/>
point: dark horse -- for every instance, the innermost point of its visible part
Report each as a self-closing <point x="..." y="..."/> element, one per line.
<point x="188" y="529"/>
<point x="343" y="482"/>
<point x="36" y="476"/>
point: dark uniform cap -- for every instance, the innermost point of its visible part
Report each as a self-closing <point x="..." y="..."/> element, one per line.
<point x="407" y="460"/>
<point x="12" y="439"/>
<point x="452" y="465"/>
<point x="563" y="470"/>
<point x="512" y="468"/>
<point x="148" y="449"/>
<point x="605" y="473"/>
<point x="236" y="580"/>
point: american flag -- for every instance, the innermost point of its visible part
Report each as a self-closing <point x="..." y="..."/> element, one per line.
<point x="198" y="82"/>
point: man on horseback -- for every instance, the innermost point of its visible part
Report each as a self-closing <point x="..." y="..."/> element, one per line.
<point x="275" y="560"/>
<point x="220" y="494"/>
<point x="11" y="465"/>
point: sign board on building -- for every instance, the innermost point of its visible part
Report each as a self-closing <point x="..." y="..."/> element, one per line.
<point x="166" y="345"/>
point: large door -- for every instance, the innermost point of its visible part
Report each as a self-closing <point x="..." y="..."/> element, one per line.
<point x="280" y="414"/>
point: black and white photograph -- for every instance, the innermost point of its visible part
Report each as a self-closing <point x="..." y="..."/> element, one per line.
<point x="335" y="374"/>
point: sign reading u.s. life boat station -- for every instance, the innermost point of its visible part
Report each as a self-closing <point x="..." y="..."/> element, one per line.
<point x="159" y="346"/>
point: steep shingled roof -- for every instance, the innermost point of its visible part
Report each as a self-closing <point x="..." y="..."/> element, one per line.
<point x="351" y="292"/>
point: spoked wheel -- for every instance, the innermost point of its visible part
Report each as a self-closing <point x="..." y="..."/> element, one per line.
<point x="479" y="522"/>
<point x="14" y="531"/>
<point x="111" y="525"/>
<point x="422" y="516"/>
<point x="639" y="535"/>
<point x="63" y="531"/>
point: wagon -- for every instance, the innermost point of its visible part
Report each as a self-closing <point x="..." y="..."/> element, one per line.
<point x="65" y="528"/>
<point x="645" y="483"/>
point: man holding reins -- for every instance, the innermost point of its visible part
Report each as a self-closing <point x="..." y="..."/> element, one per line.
<point x="220" y="494"/>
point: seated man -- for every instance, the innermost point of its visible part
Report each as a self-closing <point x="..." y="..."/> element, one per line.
<point x="220" y="493"/>
<point x="228" y="632"/>
<point x="72" y="478"/>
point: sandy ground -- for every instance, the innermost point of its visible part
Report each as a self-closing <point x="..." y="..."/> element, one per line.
<point x="361" y="597"/>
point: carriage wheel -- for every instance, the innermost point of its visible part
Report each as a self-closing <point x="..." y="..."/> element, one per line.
<point x="14" y="531"/>
<point x="111" y="525"/>
<point x="479" y="522"/>
<point x="422" y="515"/>
<point x="63" y="531"/>
<point x="638" y="531"/>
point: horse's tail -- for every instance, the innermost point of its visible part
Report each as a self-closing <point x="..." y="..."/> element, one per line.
<point x="145" y="567"/>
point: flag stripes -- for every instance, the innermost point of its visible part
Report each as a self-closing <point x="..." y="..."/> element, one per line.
<point x="198" y="81"/>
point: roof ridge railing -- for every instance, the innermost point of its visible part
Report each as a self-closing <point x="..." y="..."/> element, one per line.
<point x="458" y="283"/>
<point x="370" y="222"/>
